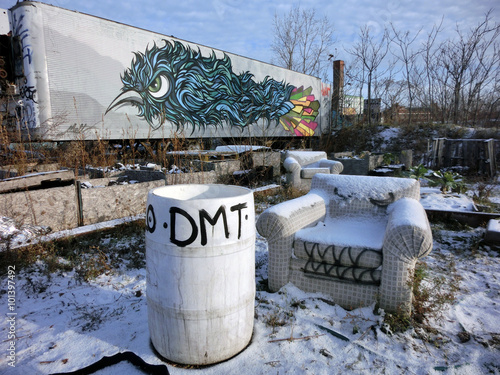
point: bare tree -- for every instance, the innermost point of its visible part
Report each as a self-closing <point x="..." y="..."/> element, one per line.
<point x="479" y="79"/>
<point x="355" y="75"/>
<point x="302" y="41"/>
<point x="459" y="57"/>
<point x="285" y="41"/>
<point x="408" y="57"/>
<point x="392" y="94"/>
<point x="370" y="53"/>
<point x="429" y="71"/>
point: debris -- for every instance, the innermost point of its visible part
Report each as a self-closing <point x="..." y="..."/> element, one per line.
<point x="326" y="353"/>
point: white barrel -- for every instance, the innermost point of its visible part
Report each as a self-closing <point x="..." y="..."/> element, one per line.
<point x="200" y="261"/>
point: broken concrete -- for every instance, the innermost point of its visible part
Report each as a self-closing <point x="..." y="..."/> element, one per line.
<point x="37" y="180"/>
<point x="492" y="235"/>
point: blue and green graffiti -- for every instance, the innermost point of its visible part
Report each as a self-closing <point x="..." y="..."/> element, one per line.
<point x="176" y="83"/>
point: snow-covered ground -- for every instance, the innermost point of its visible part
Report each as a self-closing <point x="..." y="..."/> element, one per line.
<point x="64" y="323"/>
<point x="431" y="198"/>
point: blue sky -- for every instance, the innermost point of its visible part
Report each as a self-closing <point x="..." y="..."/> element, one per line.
<point x="244" y="27"/>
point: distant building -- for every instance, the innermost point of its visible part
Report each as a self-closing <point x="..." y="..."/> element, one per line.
<point x="373" y="109"/>
<point x="353" y="105"/>
<point x="398" y="114"/>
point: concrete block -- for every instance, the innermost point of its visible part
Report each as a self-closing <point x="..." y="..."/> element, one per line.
<point x="113" y="202"/>
<point x="492" y="234"/>
<point x="55" y="207"/>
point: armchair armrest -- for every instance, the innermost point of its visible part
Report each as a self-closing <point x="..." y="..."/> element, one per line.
<point x="278" y="224"/>
<point x="292" y="168"/>
<point x="408" y="235"/>
<point x="336" y="167"/>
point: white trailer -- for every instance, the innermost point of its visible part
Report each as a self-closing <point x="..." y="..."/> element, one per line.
<point x="83" y="77"/>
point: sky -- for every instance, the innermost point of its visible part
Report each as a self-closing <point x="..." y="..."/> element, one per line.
<point x="245" y="27"/>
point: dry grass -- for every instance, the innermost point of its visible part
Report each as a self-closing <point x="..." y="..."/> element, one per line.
<point x="89" y="255"/>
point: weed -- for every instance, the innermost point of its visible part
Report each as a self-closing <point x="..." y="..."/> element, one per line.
<point x="266" y="200"/>
<point x="482" y="190"/>
<point x="418" y="172"/>
<point x="277" y="318"/>
<point x="356" y="138"/>
<point x="89" y="255"/>
<point x="389" y="158"/>
<point x="295" y="303"/>
<point x="280" y="316"/>
<point x="93" y="264"/>
<point x="36" y="286"/>
<point x="431" y="296"/>
<point x="93" y="317"/>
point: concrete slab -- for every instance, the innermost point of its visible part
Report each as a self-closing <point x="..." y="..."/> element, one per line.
<point x="492" y="234"/>
<point x="473" y="219"/>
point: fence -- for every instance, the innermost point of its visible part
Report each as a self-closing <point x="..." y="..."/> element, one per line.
<point x="477" y="155"/>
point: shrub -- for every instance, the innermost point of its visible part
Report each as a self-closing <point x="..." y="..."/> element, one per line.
<point x="448" y="181"/>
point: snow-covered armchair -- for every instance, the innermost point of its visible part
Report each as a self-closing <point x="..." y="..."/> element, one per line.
<point x="355" y="238"/>
<point x="301" y="166"/>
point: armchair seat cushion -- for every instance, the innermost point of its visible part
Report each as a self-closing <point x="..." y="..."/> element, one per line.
<point x="310" y="172"/>
<point x="363" y="232"/>
<point x="350" y="249"/>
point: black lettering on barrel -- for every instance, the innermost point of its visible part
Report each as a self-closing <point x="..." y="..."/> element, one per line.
<point x="150" y="219"/>
<point x="205" y="216"/>
<point x="194" y="228"/>
<point x="239" y="207"/>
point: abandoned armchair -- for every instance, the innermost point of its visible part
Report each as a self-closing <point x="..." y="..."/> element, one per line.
<point x="301" y="166"/>
<point x="354" y="238"/>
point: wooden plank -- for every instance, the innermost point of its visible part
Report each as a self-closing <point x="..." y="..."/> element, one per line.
<point x="473" y="219"/>
<point x="36" y="180"/>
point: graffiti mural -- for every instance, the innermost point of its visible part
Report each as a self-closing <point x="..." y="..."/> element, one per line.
<point x="22" y="33"/>
<point x="176" y="83"/>
<point x="28" y="111"/>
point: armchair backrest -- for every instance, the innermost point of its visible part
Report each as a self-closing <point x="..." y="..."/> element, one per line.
<point x="347" y="195"/>
<point x="306" y="157"/>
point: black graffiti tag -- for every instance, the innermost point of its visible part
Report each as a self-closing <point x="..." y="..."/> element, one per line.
<point x="28" y="92"/>
<point x="205" y="216"/>
<point x="238" y="208"/>
<point x="194" y="229"/>
<point x="150" y="219"/>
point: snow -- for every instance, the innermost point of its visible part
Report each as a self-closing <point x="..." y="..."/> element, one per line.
<point x="389" y="133"/>
<point x="408" y="212"/>
<point x="287" y="209"/>
<point x="493" y="226"/>
<point x="64" y="323"/>
<point x="431" y="198"/>
<point x="240" y="148"/>
<point x="307" y="158"/>
<point x="348" y="188"/>
<point x="358" y="232"/>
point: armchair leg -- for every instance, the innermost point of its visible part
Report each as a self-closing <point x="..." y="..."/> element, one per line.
<point x="395" y="286"/>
